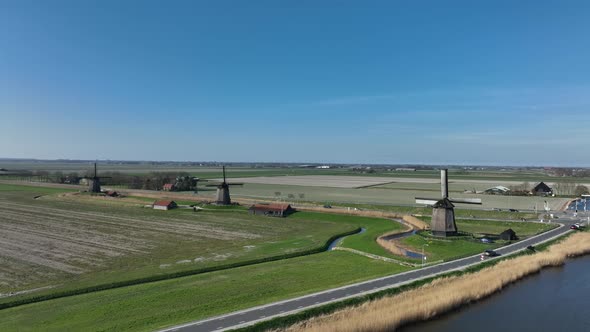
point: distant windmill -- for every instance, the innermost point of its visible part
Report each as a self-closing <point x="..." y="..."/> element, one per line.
<point x="223" y="190"/>
<point x="94" y="181"/>
<point x="443" y="210"/>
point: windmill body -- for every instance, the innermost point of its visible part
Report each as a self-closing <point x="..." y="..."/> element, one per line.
<point x="443" y="210"/>
<point x="94" y="182"/>
<point x="222" y="196"/>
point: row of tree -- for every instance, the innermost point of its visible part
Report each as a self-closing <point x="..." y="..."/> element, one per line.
<point x="152" y="181"/>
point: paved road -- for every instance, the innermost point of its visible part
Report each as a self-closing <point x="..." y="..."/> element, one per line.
<point x="282" y="308"/>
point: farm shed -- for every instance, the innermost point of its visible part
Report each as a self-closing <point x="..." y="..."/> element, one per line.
<point x="112" y="193"/>
<point x="273" y="210"/>
<point x="497" y="190"/>
<point x="508" y="235"/>
<point x="541" y="189"/>
<point x="164" y="205"/>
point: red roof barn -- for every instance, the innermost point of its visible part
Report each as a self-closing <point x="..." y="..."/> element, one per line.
<point x="168" y="187"/>
<point x="164" y="205"/>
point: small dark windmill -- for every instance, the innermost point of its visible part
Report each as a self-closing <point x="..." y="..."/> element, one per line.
<point x="94" y="181"/>
<point x="223" y="190"/>
<point x="443" y="210"/>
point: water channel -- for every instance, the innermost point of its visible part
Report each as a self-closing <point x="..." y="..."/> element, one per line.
<point x="557" y="299"/>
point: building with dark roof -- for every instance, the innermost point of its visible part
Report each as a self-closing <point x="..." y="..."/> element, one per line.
<point x="508" y="235"/>
<point x="272" y="209"/>
<point x="541" y="189"/>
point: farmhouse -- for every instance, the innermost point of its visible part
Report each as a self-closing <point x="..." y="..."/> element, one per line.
<point x="273" y="210"/>
<point x="168" y="187"/>
<point x="164" y="205"/>
<point x="541" y="189"/>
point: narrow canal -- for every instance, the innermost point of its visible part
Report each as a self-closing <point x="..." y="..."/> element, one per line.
<point x="557" y="299"/>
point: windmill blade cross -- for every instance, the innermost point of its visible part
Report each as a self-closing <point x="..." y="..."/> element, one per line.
<point x="466" y="200"/>
<point x="426" y="201"/>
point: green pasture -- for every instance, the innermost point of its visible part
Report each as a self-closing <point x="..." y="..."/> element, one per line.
<point x="457" y="247"/>
<point x="366" y="241"/>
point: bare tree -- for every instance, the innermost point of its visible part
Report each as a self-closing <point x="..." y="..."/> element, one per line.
<point x="581" y="190"/>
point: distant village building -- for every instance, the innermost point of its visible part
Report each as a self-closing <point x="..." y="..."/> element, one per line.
<point x="168" y="187"/>
<point x="405" y="169"/>
<point x="323" y="166"/>
<point x="497" y="190"/>
<point x="164" y="205"/>
<point x="273" y="210"/>
<point x="541" y="189"/>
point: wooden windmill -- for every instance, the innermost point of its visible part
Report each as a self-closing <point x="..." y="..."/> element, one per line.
<point x="443" y="210"/>
<point x="223" y="190"/>
<point x="94" y="181"/>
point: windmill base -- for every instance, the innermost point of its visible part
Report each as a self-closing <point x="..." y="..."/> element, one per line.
<point x="443" y="222"/>
<point x="94" y="186"/>
<point x="223" y="196"/>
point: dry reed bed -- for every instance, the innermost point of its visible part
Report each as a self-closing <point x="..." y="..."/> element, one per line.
<point x="417" y="223"/>
<point x="443" y="294"/>
<point x="389" y="245"/>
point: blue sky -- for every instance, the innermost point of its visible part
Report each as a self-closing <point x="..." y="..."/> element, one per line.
<point x="456" y="82"/>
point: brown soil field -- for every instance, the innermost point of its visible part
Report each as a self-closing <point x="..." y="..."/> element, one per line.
<point x="56" y="241"/>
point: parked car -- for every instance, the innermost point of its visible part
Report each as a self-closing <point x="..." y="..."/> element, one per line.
<point x="574" y="226"/>
<point x="327" y="206"/>
<point x="486" y="240"/>
<point x="490" y="253"/>
<point x="513" y="210"/>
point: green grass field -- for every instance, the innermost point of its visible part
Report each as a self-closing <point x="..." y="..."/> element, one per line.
<point x="522" y="229"/>
<point x="157" y="305"/>
<point x="78" y="241"/>
<point x="366" y="241"/>
<point x="448" y="249"/>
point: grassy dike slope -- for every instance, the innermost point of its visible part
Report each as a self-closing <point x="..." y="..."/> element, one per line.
<point x="160" y="304"/>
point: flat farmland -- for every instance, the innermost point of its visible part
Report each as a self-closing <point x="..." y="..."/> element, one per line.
<point x="385" y="196"/>
<point x="64" y="241"/>
<point x="318" y="181"/>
